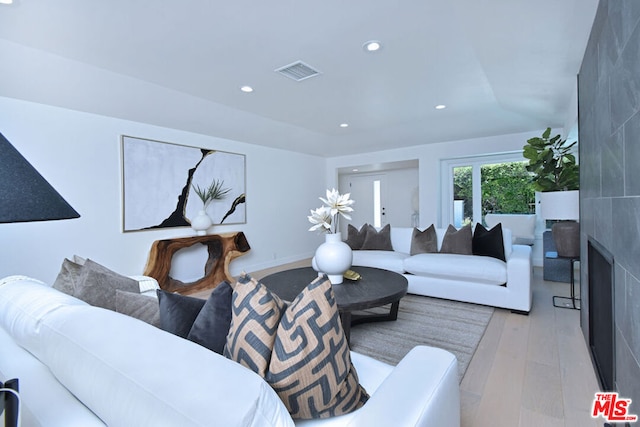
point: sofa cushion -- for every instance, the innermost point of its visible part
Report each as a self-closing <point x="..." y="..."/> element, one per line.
<point x="387" y="260"/>
<point x="457" y="241"/>
<point x="97" y="285"/>
<point x="473" y="268"/>
<point x="178" y="312"/>
<point x="211" y="326"/>
<point x="139" y="306"/>
<point x="488" y="242"/>
<point x="355" y="237"/>
<point x="255" y="316"/>
<point x="424" y="241"/>
<point x="377" y="240"/>
<point x="310" y="366"/>
<point x="522" y="226"/>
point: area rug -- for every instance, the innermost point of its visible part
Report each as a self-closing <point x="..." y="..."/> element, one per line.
<point x="451" y="325"/>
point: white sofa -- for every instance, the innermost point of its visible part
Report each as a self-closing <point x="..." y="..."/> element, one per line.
<point x="469" y="278"/>
<point x="80" y="365"/>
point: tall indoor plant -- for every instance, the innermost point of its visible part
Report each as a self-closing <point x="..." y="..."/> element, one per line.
<point x="555" y="172"/>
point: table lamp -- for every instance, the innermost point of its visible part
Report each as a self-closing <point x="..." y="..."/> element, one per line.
<point x="564" y="207"/>
<point x="24" y="194"/>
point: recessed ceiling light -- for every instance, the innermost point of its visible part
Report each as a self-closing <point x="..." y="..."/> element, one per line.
<point x="6" y="1"/>
<point x="344" y="125"/>
<point x="246" y="89"/>
<point x="372" y="46"/>
<point x="440" y="107"/>
<point x="354" y="170"/>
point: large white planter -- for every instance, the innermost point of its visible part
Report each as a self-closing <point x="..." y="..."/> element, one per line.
<point x="333" y="257"/>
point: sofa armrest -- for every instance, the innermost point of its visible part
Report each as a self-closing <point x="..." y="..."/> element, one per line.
<point x="422" y="390"/>
<point x="520" y="274"/>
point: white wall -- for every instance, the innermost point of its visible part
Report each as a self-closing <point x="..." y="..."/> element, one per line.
<point x="79" y="154"/>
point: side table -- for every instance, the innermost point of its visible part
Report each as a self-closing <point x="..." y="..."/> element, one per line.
<point x="570" y="302"/>
<point x="222" y="248"/>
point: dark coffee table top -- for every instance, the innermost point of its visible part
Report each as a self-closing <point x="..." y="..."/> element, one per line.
<point x="376" y="287"/>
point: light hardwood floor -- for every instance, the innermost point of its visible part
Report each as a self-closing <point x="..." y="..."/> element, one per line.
<point x="530" y="370"/>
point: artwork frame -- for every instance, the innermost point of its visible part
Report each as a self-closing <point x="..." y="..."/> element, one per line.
<point x="158" y="181"/>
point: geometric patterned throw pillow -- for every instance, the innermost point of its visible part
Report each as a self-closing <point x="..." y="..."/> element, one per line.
<point x="310" y="366"/>
<point x="255" y="317"/>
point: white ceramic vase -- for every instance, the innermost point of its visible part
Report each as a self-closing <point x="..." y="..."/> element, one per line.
<point x="333" y="257"/>
<point x="201" y="223"/>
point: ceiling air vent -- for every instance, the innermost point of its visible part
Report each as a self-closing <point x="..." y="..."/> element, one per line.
<point x="298" y="71"/>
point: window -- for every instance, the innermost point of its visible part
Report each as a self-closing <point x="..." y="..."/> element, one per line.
<point x="475" y="186"/>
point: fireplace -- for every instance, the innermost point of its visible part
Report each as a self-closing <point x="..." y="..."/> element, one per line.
<point x="601" y="313"/>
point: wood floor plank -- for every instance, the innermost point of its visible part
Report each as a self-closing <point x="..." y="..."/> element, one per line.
<point x="502" y="396"/>
<point x="476" y="376"/>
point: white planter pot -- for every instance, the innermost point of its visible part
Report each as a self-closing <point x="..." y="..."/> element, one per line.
<point x="201" y="223"/>
<point x="333" y="257"/>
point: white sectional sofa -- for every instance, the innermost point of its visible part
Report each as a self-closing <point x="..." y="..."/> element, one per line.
<point x="469" y="278"/>
<point x="80" y="365"/>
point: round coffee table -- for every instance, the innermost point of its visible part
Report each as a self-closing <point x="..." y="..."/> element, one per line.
<point x="376" y="288"/>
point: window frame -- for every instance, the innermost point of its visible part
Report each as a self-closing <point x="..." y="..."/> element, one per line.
<point x="447" y="166"/>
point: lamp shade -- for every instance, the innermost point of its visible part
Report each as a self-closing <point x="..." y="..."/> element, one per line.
<point x="560" y="205"/>
<point x="24" y="194"/>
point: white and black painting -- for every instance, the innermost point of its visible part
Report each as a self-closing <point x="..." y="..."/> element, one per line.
<point x="160" y="178"/>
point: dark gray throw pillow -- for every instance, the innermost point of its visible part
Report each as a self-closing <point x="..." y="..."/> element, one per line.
<point x="355" y="237"/>
<point x="211" y="326"/>
<point x="424" y="242"/>
<point x="97" y="285"/>
<point x="143" y="307"/>
<point x="457" y="241"/>
<point x="378" y="240"/>
<point x="178" y="312"/>
<point x="488" y="242"/>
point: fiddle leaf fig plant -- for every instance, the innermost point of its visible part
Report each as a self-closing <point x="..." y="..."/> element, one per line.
<point x="552" y="163"/>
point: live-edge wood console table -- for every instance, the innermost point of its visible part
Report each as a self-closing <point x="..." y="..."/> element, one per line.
<point x="222" y="248"/>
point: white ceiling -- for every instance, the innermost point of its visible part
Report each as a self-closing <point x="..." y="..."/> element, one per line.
<point x="500" y="66"/>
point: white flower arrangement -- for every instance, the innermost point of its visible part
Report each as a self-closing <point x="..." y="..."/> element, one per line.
<point x="325" y="218"/>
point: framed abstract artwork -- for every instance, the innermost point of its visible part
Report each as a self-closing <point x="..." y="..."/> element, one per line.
<point x="160" y="179"/>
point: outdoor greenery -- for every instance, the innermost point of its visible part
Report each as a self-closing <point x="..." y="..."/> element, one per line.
<point x="553" y="165"/>
<point x="506" y="188"/>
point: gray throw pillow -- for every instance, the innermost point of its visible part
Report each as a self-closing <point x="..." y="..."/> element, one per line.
<point x="424" y="242"/>
<point x="97" y="285"/>
<point x="68" y="277"/>
<point x="355" y="237"/>
<point x="143" y="307"/>
<point x="378" y="240"/>
<point x="178" y="312"/>
<point x="211" y="326"/>
<point x="457" y="241"/>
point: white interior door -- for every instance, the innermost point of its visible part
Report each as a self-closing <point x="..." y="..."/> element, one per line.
<point x="369" y="194"/>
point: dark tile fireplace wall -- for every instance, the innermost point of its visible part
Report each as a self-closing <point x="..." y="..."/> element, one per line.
<point x="609" y="129"/>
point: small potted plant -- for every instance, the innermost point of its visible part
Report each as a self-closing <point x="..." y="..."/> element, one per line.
<point x="216" y="191"/>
